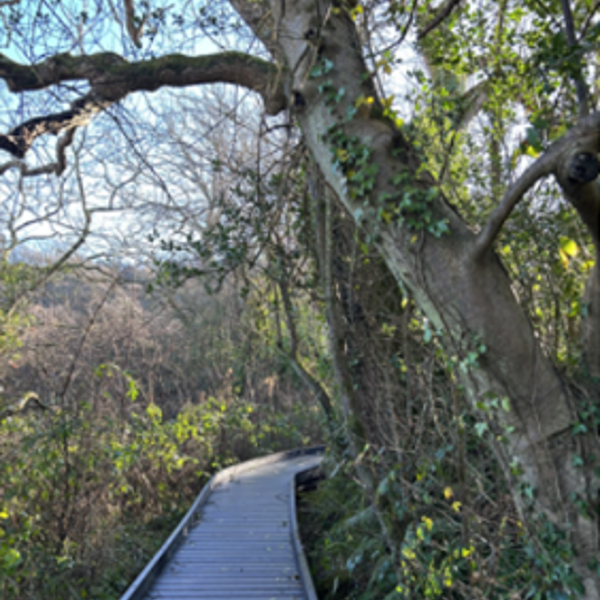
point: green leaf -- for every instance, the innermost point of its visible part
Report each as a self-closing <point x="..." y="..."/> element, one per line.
<point x="481" y="428"/>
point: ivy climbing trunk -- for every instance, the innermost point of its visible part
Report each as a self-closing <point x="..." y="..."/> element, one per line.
<point x="466" y="295"/>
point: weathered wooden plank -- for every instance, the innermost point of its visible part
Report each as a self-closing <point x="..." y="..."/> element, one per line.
<point x="240" y="542"/>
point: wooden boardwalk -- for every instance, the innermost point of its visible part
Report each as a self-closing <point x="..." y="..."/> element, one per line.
<point x="239" y="541"/>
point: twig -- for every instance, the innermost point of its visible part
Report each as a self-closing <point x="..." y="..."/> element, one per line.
<point x="572" y="42"/>
<point x="588" y="18"/>
<point x="83" y="339"/>
<point x="442" y="14"/>
<point x="134" y="32"/>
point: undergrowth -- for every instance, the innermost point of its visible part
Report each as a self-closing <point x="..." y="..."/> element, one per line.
<point x="476" y="549"/>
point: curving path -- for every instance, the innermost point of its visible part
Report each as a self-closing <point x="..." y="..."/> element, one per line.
<point x="239" y="540"/>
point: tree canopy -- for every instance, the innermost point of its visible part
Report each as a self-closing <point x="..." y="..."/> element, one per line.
<point x="427" y="162"/>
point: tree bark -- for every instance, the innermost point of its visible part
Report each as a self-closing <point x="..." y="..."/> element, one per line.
<point x="377" y="175"/>
<point x="465" y="295"/>
<point x="112" y="78"/>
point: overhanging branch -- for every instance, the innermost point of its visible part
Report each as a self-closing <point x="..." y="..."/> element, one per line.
<point x="573" y="161"/>
<point x="112" y="78"/>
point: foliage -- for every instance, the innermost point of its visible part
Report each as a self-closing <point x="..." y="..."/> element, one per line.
<point x="99" y="465"/>
<point x="416" y="504"/>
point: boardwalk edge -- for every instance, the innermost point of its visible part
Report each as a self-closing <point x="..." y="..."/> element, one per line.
<point x="138" y="589"/>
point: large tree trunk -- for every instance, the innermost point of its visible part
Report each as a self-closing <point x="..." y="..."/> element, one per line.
<point x="465" y="294"/>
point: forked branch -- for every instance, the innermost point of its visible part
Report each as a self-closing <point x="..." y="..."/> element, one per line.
<point x="573" y="160"/>
<point x="112" y="78"/>
<point x="539" y="169"/>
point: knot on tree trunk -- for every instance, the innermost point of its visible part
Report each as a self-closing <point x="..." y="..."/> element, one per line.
<point x="583" y="167"/>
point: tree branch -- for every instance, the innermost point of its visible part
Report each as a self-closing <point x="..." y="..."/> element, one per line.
<point x="542" y="167"/>
<point x="134" y="32"/>
<point x="573" y="161"/>
<point x="572" y="42"/>
<point x="112" y="78"/>
<point x="444" y="12"/>
<point x="311" y="382"/>
<point x="260" y="19"/>
<point x="57" y="167"/>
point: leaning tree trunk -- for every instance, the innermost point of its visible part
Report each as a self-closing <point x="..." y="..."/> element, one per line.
<point x="455" y="277"/>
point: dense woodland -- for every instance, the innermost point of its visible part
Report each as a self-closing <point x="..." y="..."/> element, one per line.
<point x="234" y="227"/>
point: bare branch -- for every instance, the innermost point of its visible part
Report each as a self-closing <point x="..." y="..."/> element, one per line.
<point x="307" y="378"/>
<point x="261" y="21"/>
<point x="11" y="164"/>
<point x="135" y="33"/>
<point x="61" y="146"/>
<point x="588" y="19"/>
<point x="445" y="11"/>
<point x="20" y="139"/>
<point x="57" y="167"/>
<point x="112" y="78"/>
<point x="572" y="41"/>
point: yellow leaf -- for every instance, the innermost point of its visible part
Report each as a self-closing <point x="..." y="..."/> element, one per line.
<point x="466" y="552"/>
<point x="569" y="247"/>
<point x="408" y="553"/>
<point x="448" y="493"/>
<point x="362" y="100"/>
<point x="564" y="259"/>
<point x="404" y="305"/>
<point x="357" y="10"/>
<point x="456" y="506"/>
<point x="3" y="515"/>
<point x="447" y="577"/>
<point x="428" y="522"/>
<point x="342" y="154"/>
<point x="531" y="152"/>
<point x="387" y="102"/>
<point x="2" y="534"/>
<point x="587" y="265"/>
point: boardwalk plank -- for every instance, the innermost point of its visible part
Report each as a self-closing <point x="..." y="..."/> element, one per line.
<point x="241" y="544"/>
